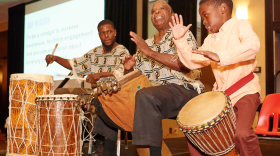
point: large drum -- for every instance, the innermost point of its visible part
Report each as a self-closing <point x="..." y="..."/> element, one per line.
<point x="59" y="125"/>
<point x="208" y="121"/>
<point x="22" y="125"/>
<point x="120" y="106"/>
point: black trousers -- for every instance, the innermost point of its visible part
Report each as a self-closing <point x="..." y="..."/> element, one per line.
<point x="104" y="125"/>
<point x="154" y="104"/>
<point x="151" y="106"/>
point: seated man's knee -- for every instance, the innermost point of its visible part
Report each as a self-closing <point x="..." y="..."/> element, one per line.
<point x="145" y="98"/>
<point x="140" y="94"/>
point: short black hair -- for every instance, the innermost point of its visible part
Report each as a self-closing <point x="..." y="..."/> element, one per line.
<point x="217" y="3"/>
<point x="103" y="22"/>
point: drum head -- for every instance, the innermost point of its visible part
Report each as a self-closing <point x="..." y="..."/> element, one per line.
<point x="202" y="108"/>
<point x="57" y="97"/>
<point x="35" y="77"/>
<point x="124" y="79"/>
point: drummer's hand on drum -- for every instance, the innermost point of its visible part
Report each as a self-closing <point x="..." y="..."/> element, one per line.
<point x="92" y="78"/>
<point x="128" y="62"/>
<point x="50" y="59"/>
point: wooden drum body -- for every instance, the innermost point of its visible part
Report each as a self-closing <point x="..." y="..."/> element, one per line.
<point x="208" y="121"/>
<point x="120" y="106"/>
<point x="59" y="126"/>
<point x="21" y="125"/>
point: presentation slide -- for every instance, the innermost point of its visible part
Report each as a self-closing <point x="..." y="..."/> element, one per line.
<point x="71" y="24"/>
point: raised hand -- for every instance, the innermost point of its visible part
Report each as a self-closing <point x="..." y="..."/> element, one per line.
<point x="50" y="59"/>
<point x="128" y="62"/>
<point x="208" y="54"/>
<point x="178" y="29"/>
<point x="141" y="44"/>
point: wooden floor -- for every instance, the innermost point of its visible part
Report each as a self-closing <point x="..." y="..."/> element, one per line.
<point x="177" y="146"/>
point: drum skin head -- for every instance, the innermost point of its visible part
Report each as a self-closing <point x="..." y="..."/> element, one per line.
<point x="58" y="96"/>
<point x="36" y="77"/>
<point x="202" y="108"/>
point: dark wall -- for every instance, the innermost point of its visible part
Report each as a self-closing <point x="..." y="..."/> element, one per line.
<point x="188" y="10"/>
<point x="272" y="9"/>
<point x="3" y="79"/>
<point x="3" y="44"/>
<point x="123" y="14"/>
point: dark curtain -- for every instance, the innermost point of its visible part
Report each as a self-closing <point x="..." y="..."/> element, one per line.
<point x="15" y="46"/>
<point x="188" y="9"/>
<point x="123" y="14"/>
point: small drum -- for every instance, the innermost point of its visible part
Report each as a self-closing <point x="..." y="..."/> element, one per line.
<point x="120" y="106"/>
<point x="59" y="125"/>
<point x="22" y="125"/>
<point x="208" y="121"/>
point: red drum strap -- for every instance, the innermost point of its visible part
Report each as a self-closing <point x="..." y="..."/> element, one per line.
<point x="239" y="84"/>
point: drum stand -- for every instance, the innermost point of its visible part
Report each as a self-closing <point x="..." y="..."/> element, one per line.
<point x="90" y="139"/>
<point x="89" y="99"/>
<point x="88" y="104"/>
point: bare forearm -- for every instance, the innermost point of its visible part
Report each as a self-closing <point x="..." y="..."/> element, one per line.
<point x="106" y="74"/>
<point x="63" y="62"/>
<point x="169" y="60"/>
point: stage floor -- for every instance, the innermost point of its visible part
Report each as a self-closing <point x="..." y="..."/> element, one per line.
<point x="177" y="146"/>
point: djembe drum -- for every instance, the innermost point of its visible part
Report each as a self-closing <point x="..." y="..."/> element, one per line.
<point x="208" y="121"/>
<point x="22" y="125"/>
<point x="120" y="106"/>
<point x="59" y="125"/>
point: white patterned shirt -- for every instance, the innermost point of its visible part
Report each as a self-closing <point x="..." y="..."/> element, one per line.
<point x="161" y="74"/>
<point x="96" y="61"/>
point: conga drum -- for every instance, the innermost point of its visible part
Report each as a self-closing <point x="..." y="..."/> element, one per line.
<point x="59" y="125"/>
<point x="22" y="127"/>
<point x="208" y="121"/>
<point x="120" y="106"/>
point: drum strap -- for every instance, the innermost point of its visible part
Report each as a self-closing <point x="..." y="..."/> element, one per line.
<point x="239" y="84"/>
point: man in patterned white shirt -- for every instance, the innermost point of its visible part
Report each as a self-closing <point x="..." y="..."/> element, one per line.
<point x="157" y="58"/>
<point x="96" y="63"/>
<point x="100" y="61"/>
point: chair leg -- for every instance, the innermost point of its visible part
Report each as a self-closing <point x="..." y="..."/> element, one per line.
<point x="119" y="143"/>
<point x="90" y="145"/>
<point x="125" y="139"/>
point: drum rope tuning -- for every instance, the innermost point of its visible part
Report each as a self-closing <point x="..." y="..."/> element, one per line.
<point x="211" y="148"/>
<point x="208" y="121"/>
<point x="87" y="101"/>
<point x="21" y="123"/>
<point x="89" y="136"/>
<point x="24" y="125"/>
<point x="66" y="133"/>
